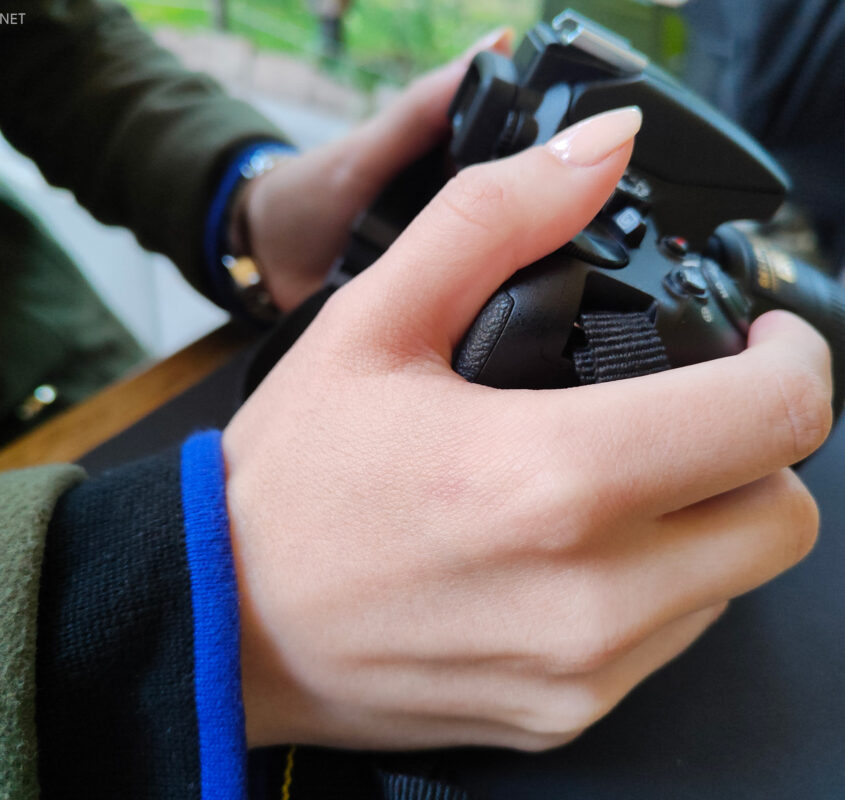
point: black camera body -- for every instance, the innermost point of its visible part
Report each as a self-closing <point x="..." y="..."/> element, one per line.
<point x="658" y="279"/>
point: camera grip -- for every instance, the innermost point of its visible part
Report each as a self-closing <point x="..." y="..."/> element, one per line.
<point x="475" y="348"/>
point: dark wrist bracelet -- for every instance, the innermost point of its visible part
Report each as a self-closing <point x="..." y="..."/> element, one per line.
<point x="235" y="273"/>
<point x="244" y="273"/>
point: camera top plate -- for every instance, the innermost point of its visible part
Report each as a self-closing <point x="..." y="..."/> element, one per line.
<point x="704" y="168"/>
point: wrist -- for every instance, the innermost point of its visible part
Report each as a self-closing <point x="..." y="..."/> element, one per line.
<point x="236" y="279"/>
<point x="272" y="705"/>
<point x="297" y="219"/>
<point x="254" y="167"/>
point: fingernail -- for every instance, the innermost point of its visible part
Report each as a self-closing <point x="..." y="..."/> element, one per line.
<point x="591" y="141"/>
<point x="500" y="36"/>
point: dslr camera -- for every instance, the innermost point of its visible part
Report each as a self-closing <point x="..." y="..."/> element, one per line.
<point x="660" y="278"/>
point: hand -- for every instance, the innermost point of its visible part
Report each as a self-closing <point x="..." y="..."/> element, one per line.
<point x="298" y="214"/>
<point x="427" y="562"/>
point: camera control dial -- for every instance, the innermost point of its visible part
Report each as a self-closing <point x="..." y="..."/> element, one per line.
<point x="594" y="248"/>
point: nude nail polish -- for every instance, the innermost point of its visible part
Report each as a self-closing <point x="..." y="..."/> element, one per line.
<point x="498" y="39"/>
<point x="503" y="33"/>
<point x="594" y="139"/>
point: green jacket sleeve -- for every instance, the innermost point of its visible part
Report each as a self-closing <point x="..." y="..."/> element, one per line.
<point x="27" y="499"/>
<point x="116" y="119"/>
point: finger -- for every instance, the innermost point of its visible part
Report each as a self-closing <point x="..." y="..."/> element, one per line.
<point x="736" y="541"/>
<point x="695" y="558"/>
<point x="418" y="119"/>
<point x="687" y="434"/>
<point x="493" y="219"/>
<point x="613" y="682"/>
<point x="504" y="705"/>
<point x="542" y="714"/>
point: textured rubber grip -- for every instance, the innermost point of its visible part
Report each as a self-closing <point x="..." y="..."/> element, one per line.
<point x="475" y="348"/>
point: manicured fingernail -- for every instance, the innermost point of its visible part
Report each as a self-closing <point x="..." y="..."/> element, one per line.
<point x="501" y="37"/>
<point x="591" y="141"/>
<point x="497" y="37"/>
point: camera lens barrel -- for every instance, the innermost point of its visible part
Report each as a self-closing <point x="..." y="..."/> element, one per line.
<point x="772" y="279"/>
<point x="644" y="255"/>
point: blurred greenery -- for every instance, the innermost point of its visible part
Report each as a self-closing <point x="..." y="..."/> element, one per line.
<point x="656" y="31"/>
<point x="386" y="40"/>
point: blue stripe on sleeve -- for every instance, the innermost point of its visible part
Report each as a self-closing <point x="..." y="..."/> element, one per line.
<point x="214" y="594"/>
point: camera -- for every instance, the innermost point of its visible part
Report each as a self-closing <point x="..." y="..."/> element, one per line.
<point x="660" y="278"/>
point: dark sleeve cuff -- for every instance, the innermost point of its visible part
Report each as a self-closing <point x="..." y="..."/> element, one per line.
<point x="138" y="676"/>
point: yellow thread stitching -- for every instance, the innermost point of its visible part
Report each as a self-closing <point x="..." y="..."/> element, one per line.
<point x="288" y="774"/>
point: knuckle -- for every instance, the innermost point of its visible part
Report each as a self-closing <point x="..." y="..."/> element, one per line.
<point x="346" y="337"/>
<point x="591" y="701"/>
<point x="476" y="197"/>
<point x="601" y="647"/>
<point x="546" y="724"/>
<point x="532" y="743"/>
<point x="566" y="713"/>
<point x="551" y="509"/>
<point x="551" y="522"/>
<point x="800" y="517"/>
<point x="805" y="408"/>
<point x="541" y="742"/>
<point x="604" y="637"/>
<point x="603" y="625"/>
<point x="524" y="496"/>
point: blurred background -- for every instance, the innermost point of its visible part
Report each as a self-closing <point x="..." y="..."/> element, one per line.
<point x="372" y="43"/>
<point x="315" y="67"/>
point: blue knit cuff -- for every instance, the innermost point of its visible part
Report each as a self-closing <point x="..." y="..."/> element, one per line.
<point x="215" y="238"/>
<point x="214" y="595"/>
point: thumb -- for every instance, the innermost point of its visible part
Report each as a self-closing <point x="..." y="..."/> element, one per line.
<point x="488" y="222"/>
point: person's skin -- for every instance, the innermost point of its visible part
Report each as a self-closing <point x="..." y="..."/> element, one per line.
<point x="427" y="562"/>
<point x="298" y="214"/>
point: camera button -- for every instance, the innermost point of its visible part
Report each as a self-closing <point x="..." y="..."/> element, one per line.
<point x="632" y="191"/>
<point x="598" y="250"/>
<point x="631" y="224"/>
<point x="691" y="280"/>
<point x="675" y="246"/>
<point x="730" y="297"/>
